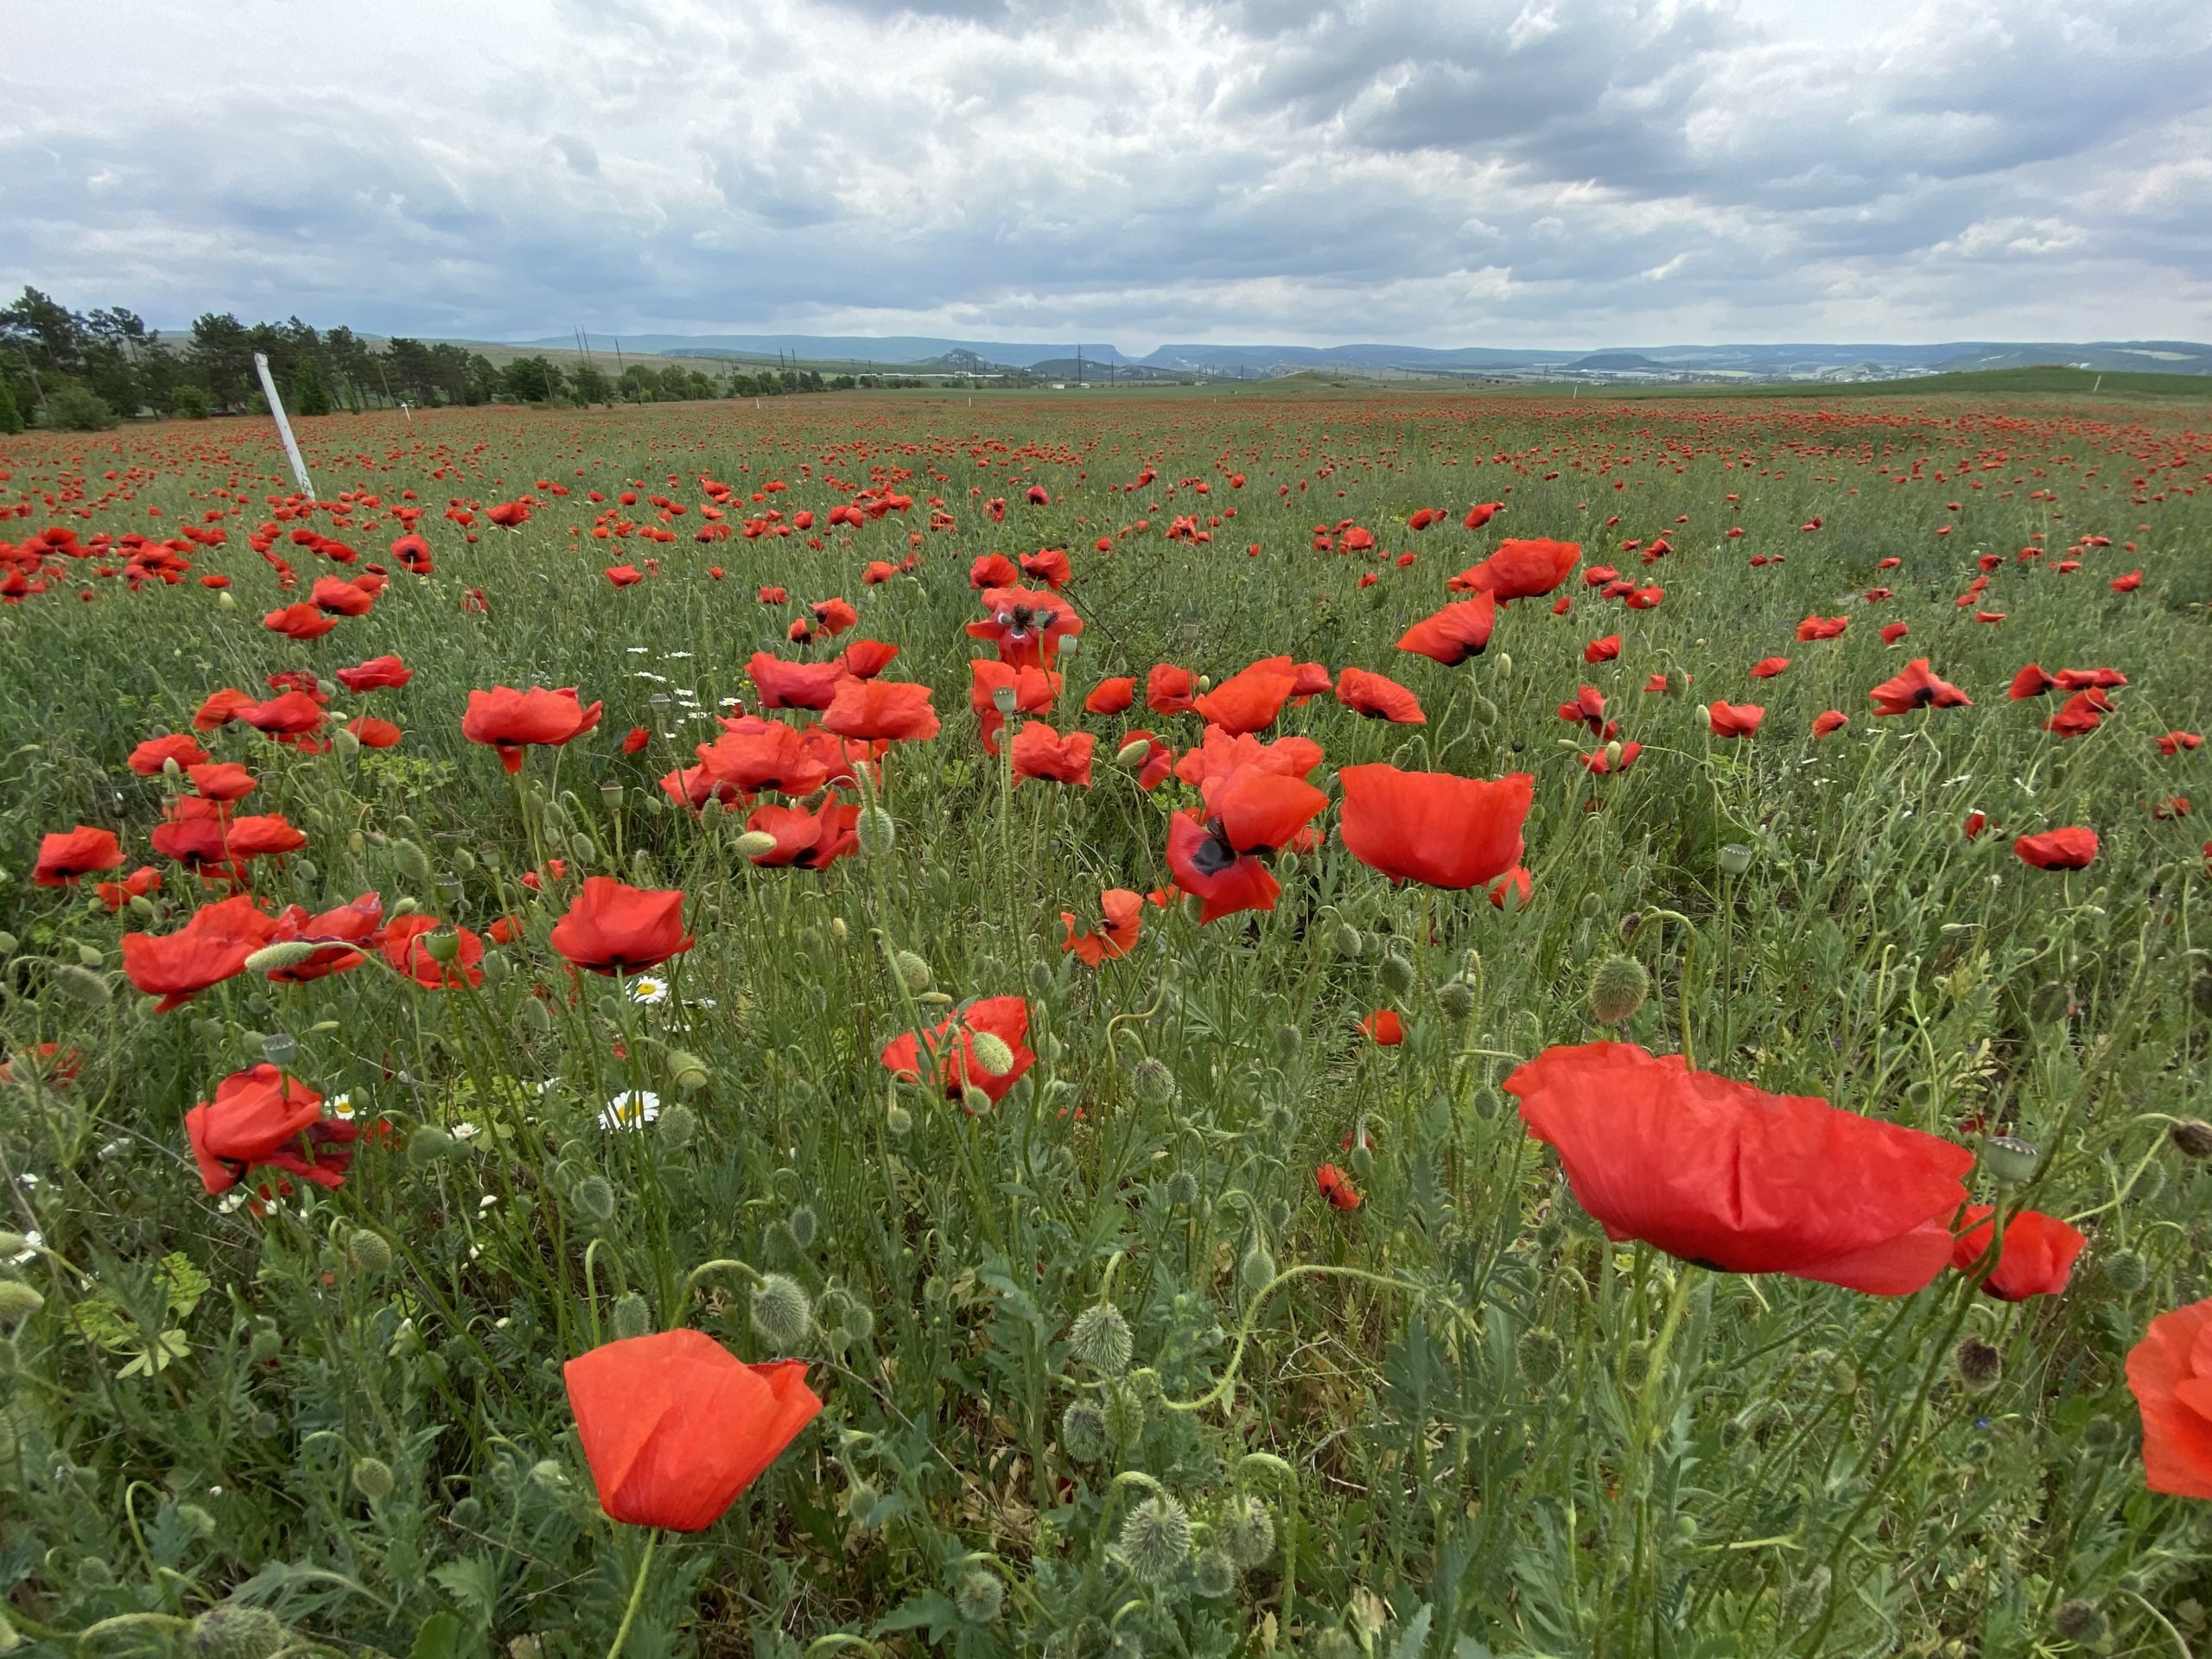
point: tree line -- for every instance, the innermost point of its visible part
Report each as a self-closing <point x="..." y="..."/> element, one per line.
<point x="77" y="371"/>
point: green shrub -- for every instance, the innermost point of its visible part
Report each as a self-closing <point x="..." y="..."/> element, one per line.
<point x="73" y="409"/>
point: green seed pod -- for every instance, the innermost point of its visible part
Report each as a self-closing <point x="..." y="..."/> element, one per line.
<point x="687" y="1071"/>
<point x="18" y="1301"/>
<point x="980" y="1597"/>
<point x="1245" y="1531"/>
<point x="1397" y="973"/>
<point x="1980" y="1366"/>
<point x="1455" y="1000"/>
<point x="1152" y="1082"/>
<point x="1213" y="1574"/>
<point x="1735" y="859"/>
<point x="536" y="1015"/>
<point x="2126" y="1272"/>
<point x="265" y="1346"/>
<point x="678" y="1125"/>
<point x="1100" y="1340"/>
<point x="2191" y="1137"/>
<point x="1083" y="1432"/>
<point x="1155" y="1540"/>
<point x="412" y="861"/>
<point x="1256" y="1270"/>
<point x="1539" y="1354"/>
<point x="1040" y="980"/>
<point x="594" y="1199"/>
<point x="8" y="943"/>
<point x="877" y="834"/>
<point x="781" y="1312"/>
<point x="1617" y="989"/>
<point x="81" y="985"/>
<point x="368" y="1252"/>
<point x="583" y="848"/>
<point x="373" y="1479"/>
<point x="442" y="945"/>
<point x="279" y="1048"/>
<point x="2081" y="1623"/>
<point x="2009" y="1160"/>
<point x="1483" y="712"/>
<point x="858" y="1322"/>
<point x="993" y="1057"/>
<point x="431" y="1145"/>
<point x="629" y="1316"/>
<point x="859" y="1498"/>
<point x="229" y="1632"/>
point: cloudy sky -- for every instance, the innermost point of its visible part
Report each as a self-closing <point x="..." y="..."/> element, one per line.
<point x="1571" y="173"/>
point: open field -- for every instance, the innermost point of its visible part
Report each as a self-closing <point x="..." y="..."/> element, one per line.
<point x="1232" y="1286"/>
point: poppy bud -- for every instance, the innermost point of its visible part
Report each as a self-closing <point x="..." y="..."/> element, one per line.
<point x="1288" y="1040"/>
<point x="859" y="1498"/>
<point x="1213" y="1574"/>
<point x="1194" y="908"/>
<point x="2100" y="1434"/>
<point x="368" y="1251"/>
<point x="1539" y="1352"/>
<point x="373" y="1479"/>
<point x="345" y="744"/>
<point x="1678" y="683"/>
<point x="781" y="1312"/>
<point x="755" y="843"/>
<point x="2126" y="1273"/>
<point x="1083" y="1432"/>
<point x="981" y="1596"/>
<point x="229" y="1632"/>
<point x="677" y="1126"/>
<point x="687" y="1070"/>
<point x="1505" y="665"/>
<point x="629" y="1316"/>
<point x="1618" y="990"/>
<point x="1397" y="973"/>
<point x="993" y="1056"/>
<point x="1455" y="1000"/>
<point x="1132" y="753"/>
<point x="1152" y="1082"/>
<point x="898" y="1121"/>
<point x="1257" y="1269"/>
<point x="800" y="1224"/>
<point x="8" y="943"/>
<point x="1100" y="1340"/>
<point x="224" y="602"/>
<point x="710" y="814"/>
<point x="1481" y="711"/>
<point x="2081" y="1623"/>
<point x="264" y="1347"/>
<point x="1980" y="1367"/>
<point x="1734" y="859"/>
<point x="1125" y="1411"/>
<point x="18" y="1301"/>
<point x="1182" y="1189"/>
<point x="1349" y="941"/>
<point x="2191" y="1137"/>
<point x="537" y="1016"/>
<point x="2009" y="1160"/>
<point x="2050" y="1003"/>
<point x="583" y="848"/>
<point x="1155" y="1539"/>
<point x="877" y="834"/>
<point x="1244" y="1531"/>
<point x="428" y="1145"/>
<point x="594" y="1199"/>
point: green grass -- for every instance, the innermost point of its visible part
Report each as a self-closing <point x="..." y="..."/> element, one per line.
<point x="1476" y="1424"/>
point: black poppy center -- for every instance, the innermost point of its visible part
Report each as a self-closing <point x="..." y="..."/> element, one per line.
<point x="1214" y="854"/>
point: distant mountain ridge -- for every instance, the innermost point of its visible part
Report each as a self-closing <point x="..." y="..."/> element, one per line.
<point x="1776" y="361"/>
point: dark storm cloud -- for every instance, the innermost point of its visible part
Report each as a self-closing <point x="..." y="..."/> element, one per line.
<point x="1445" y="171"/>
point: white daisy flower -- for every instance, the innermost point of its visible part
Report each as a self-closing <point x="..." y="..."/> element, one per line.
<point x="645" y="990"/>
<point x="33" y="1241"/>
<point x="631" y="1109"/>
<point x="340" y="1107"/>
<point x="464" y="1130"/>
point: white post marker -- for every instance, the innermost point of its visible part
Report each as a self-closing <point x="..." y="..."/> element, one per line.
<point x="283" y="426"/>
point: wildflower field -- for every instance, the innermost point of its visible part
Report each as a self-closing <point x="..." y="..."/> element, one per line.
<point x="1423" y="1024"/>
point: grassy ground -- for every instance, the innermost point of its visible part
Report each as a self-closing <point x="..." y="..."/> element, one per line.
<point x="1472" y="1422"/>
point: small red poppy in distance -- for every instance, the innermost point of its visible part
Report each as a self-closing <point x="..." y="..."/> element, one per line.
<point x="1111" y="696"/>
<point x="510" y="721"/>
<point x="2169" y="1373"/>
<point x="1917" y="688"/>
<point x="952" y="1049"/>
<point x="675" y="1427"/>
<point x="2036" y="1260"/>
<point x="612" y="928"/>
<point x="65" y="856"/>
<point x="263" y="1116"/>
<point x="1727" y="1176"/>
<point x="377" y="673"/>
<point x="2071" y="848"/>
<point x="1123" y="911"/>
<point x="1434" y="827"/>
<point x="1734" y="719"/>
<point x="1602" y="651"/>
<point x="1336" y="1186"/>
<point x="1384" y="1028"/>
<point x="1833" y="721"/>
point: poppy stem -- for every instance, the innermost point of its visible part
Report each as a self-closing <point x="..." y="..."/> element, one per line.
<point x="637" y="1595"/>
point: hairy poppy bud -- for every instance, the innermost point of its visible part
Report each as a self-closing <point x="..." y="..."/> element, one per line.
<point x="1040" y="979"/>
<point x="2081" y="1623"/>
<point x="1397" y="973"/>
<point x="8" y="943"/>
<point x="1155" y="1539"/>
<point x="264" y="1344"/>
<point x="1102" y="1340"/>
<point x="82" y="985"/>
<point x="687" y="1070"/>
<point x="981" y="1596"/>
<point x="229" y="1632"/>
<point x="1152" y="1082"/>
<point x="755" y="843"/>
<point x="1245" y="1531"/>
<point x="1126" y="1411"/>
<point x="345" y="744"/>
<point x="18" y="1301"/>
<point x="1083" y="1432"/>
<point x="1213" y="1574"/>
<point x="859" y="1322"/>
<point x="2126" y="1273"/>
<point x="1980" y="1367"/>
<point x="2191" y="1137"/>
<point x="1350" y="942"/>
<point x="1257" y="1269"/>
<point x="2050" y="1003"/>
<point x="1288" y="1040"/>
<point x="1455" y="1000"/>
<point x="678" y="1125"/>
<point x="594" y="1198"/>
<point x="859" y="1498"/>
<point x="781" y="1312"/>
<point x="1182" y="1189"/>
<point x="224" y="602"/>
<point x="373" y="1479"/>
<point x="1618" y="990"/>
<point x="536" y="1015"/>
<point x="2100" y="1434"/>
<point x="629" y="1316"/>
<point x="2009" y="1160"/>
<point x="975" y="1101"/>
<point x="992" y="1054"/>
<point x="583" y="848"/>
<point x="368" y="1251"/>
<point x="1132" y="753"/>
<point x="1539" y="1352"/>
<point x="878" y="835"/>
<point x="412" y="861"/>
<point x="800" y="1224"/>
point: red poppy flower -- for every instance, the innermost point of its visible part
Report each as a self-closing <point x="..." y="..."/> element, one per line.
<point x="2036" y="1259"/>
<point x="1048" y="565"/>
<point x="624" y="575"/>
<point x="805" y="839"/>
<point x="1917" y="688"/>
<point x="2090" y="679"/>
<point x="221" y="780"/>
<point x="1767" y="667"/>
<point x="1336" y="1186"/>
<point x="893" y="710"/>
<point x="508" y="515"/>
<point x="1519" y="569"/>
<point x="2079" y="715"/>
<point x="286" y="718"/>
<point x="1893" y="632"/>
<point x="2174" y="742"/>
<point x="141" y="882"/>
<point x="1721" y="1173"/>
<point x="2128" y="583"/>
<point x="1834" y="720"/>
<point x="1456" y="632"/>
<point x="1379" y="697"/>
<point x="866" y="658"/>
<point x="1159" y="760"/>
<point x="1432" y="827"/>
<point x="510" y="720"/>
<point x="264" y="1116"/>
<point x="993" y="571"/>
<point x="833" y="616"/>
<point x="300" y="621"/>
<point x="753" y="753"/>
<point x="1308" y="680"/>
<point x="675" y="1427"/>
<point x="794" y="685"/>
<point x="404" y="950"/>
<point x="1384" y="1028"/>
<point x="1480" y="514"/>
<point x="1034" y="692"/>
<point x="1604" y="760"/>
<point x="1039" y="752"/>
<point x="342" y="936"/>
<point x="1027" y="627"/>
<point x="1111" y="696"/>
<point x="373" y="733"/>
<point x="775" y="596"/>
<point x="1734" y="719"/>
<point x="2169" y="1373"/>
<point x="67" y="856"/>
<point x="1822" y="628"/>
<point x="1975" y="823"/>
<point x="207" y="949"/>
<point x="612" y="928"/>
<point x="264" y="835"/>
<point x="1167" y="689"/>
<point x="1215" y="854"/>
<point x="1250" y="700"/>
<point x="344" y="598"/>
<point x="2058" y="849"/>
<point x="151" y="757"/>
<point x="952" y="1049"/>
<point x="218" y="710"/>
<point x="1122" y="910"/>
<point x="1510" y="891"/>
<point x="1602" y="651"/>
<point x="2030" y="681"/>
<point x="1588" y="709"/>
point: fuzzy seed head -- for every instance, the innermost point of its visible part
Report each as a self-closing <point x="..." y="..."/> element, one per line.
<point x="1214" y="1573"/>
<point x="1102" y="1339"/>
<point x="1156" y="1539"/>
<point x="980" y="1597"/>
<point x="1980" y="1367"/>
<point x="1617" y="989"/>
<point x="373" y="1479"/>
<point x="781" y="1312"/>
<point x="2009" y="1160"/>
<point x="1152" y="1082"/>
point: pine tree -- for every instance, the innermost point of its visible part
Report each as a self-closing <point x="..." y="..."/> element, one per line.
<point x="11" y="418"/>
<point x="310" y="392"/>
